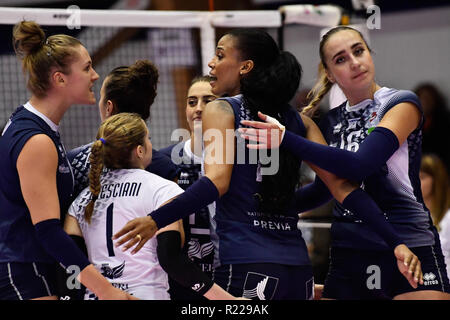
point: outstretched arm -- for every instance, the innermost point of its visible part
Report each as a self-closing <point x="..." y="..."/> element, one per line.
<point x="218" y="121"/>
<point x="43" y="205"/>
<point x="312" y="195"/>
<point x="359" y="202"/>
<point x="373" y="152"/>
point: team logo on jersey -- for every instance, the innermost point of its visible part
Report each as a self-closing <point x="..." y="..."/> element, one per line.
<point x="198" y="286"/>
<point x="352" y="123"/>
<point x="112" y="273"/>
<point x="63" y="168"/>
<point x="429" y="279"/>
<point x="372" y="119"/>
<point x="198" y="250"/>
<point x="259" y="286"/>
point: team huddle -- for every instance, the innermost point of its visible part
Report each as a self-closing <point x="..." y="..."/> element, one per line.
<point x="190" y="221"/>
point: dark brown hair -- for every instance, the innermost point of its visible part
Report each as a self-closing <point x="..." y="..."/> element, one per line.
<point x="133" y="88"/>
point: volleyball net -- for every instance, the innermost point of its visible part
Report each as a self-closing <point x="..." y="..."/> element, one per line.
<point x="179" y="43"/>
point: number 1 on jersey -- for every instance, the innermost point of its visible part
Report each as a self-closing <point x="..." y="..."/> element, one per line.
<point x="109" y="230"/>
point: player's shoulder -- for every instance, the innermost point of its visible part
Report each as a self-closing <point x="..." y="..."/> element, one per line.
<point x="149" y="179"/>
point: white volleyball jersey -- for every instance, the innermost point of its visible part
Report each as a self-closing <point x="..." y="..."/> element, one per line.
<point x="125" y="194"/>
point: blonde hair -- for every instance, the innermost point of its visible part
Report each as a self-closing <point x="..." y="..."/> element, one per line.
<point x="431" y="164"/>
<point x="40" y="56"/>
<point x="323" y="84"/>
<point x="116" y="139"/>
<point x="320" y="89"/>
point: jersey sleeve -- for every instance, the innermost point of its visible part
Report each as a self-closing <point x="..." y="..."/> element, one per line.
<point x="79" y="160"/>
<point x="158" y="191"/>
<point x="76" y="209"/>
<point x="19" y="141"/>
<point x="399" y="97"/>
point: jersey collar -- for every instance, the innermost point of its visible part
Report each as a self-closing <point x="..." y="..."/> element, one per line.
<point x="50" y="123"/>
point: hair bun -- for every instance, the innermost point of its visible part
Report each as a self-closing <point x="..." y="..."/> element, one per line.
<point x="28" y="37"/>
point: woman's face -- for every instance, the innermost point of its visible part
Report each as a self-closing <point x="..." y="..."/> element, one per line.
<point x="199" y="94"/>
<point x="81" y="78"/>
<point x="349" y="62"/>
<point x="426" y="183"/>
<point x="226" y="66"/>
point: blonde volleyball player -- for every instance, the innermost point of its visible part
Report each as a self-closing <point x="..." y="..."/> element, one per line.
<point x="36" y="178"/>
<point x="127" y="191"/>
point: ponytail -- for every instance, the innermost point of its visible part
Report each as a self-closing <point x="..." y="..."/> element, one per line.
<point x="96" y="161"/>
<point x="320" y="89"/>
<point x="117" y="137"/>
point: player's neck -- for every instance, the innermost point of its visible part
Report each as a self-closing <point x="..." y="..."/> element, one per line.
<point x="50" y="106"/>
<point x="196" y="141"/>
<point x="356" y="97"/>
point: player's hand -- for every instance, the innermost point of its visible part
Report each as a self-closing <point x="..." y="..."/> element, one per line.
<point x="268" y="134"/>
<point x="318" y="289"/>
<point x="409" y="265"/>
<point x="116" y="294"/>
<point x="137" y="231"/>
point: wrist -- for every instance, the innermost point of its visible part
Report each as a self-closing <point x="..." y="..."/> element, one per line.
<point x="217" y="293"/>
<point x="151" y="222"/>
<point x="282" y="128"/>
<point x="95" y="282"/>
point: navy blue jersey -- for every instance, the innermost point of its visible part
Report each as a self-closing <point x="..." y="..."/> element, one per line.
<point x="198" y="245"/>
<point x="395" y="187"/>
<point x="18" y="242"/>
<point x="79" y="159"/>
<point x="245" y="234"/>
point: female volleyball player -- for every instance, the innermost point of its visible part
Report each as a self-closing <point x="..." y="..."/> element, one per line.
<point x="125" y="89"/>
<point x="125" y="192"/>
<point x="188" y="155"/>
<point x="36" y="178"/>
<point x="375" y="138"/>
<point x="254" y="211"/>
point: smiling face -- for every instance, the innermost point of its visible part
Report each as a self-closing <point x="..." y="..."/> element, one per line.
<point x="199" y="94"/>
<point x="349" y="62"/>
<point x="80" y="80"/>
<point x="226" y="66"/>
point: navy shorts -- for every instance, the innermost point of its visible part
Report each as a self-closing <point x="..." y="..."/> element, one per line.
<point x="266" y="281"/>
<point x="24" y="281"/>
<point x="362" y="274"/>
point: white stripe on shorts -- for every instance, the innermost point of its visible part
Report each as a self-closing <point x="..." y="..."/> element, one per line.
<point x="229" y="277"/>
<point x="42" y="278"/>
<point x="12" y="282"/>
<point x="438" y="269"/>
